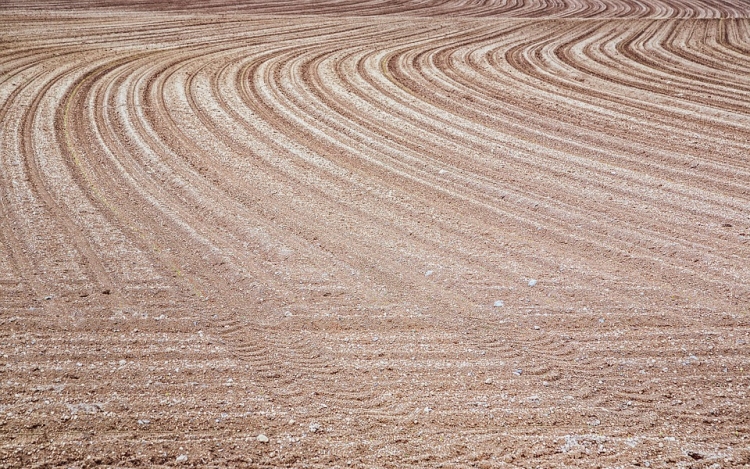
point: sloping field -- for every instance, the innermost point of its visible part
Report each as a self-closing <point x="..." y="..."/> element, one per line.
<point x="378" y="234"/>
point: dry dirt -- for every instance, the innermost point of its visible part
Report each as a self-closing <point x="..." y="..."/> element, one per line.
<point x="382" y="234"/>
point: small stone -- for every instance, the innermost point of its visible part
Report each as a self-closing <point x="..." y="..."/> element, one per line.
<point x="262" y="438"/>
<point x="545" y="383"/>
<point x="123" y="362"/>
<point x="288" y="314"/>
<point x="488" y="381"/>
<point x="536" y="328"/>
<point x="428" y="273"/>
<point x="518" y="372"/>
<point x="48" y="297"/>
<point x="106" y="291"/>
<point x="181" y="458"/>
<point x="695" y="455"/>
<point x="314" y="427"/>
<point x="532" y="282"/>
<point x="499" y="304"/>
<point x="144" y="422"/>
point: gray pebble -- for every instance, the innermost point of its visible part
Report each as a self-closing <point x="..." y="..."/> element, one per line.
<point x="532" y="282"/>
<point x="499" y="304"/>
<point x="262" y="438"/>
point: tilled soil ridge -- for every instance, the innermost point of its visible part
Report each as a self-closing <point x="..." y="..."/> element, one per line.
<point x="375" y="239"/>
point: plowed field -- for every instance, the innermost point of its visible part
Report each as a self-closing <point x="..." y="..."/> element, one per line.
<point x="376" y="234"/>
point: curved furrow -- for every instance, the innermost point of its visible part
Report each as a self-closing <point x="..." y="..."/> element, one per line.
<point x="656" y="51"/>
<point x="706" y="43"/>
<point x="577" y="87"/>
<point x="724" y="42"/>
<point x="415" y="137"/>
<point x="280" y="348"/>
<point x="735" y="187"/>
<point x="17" y="279"/>
<point x="671" y="149"/>
<point x="34" y="204"/>
<point x="234" y="151"/>
<point x="328" y="240"/>
<point x="140" y="185"/>
<point x="102" y="167"/>
<point x="522" y="60"/>
<point x="451" y="232"/>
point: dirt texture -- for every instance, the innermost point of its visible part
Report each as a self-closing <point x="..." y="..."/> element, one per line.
<point x="375" y="234"/>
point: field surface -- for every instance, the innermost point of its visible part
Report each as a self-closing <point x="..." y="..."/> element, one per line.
<point x="375" y="234"/>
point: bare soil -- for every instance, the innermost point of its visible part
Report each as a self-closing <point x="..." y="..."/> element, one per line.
<point x="380" y="234"/>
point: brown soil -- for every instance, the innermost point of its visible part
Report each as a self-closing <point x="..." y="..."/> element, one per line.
<point x="295" y="219"/>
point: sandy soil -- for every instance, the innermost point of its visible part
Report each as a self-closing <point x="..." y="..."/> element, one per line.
<point x="377" y="234"/>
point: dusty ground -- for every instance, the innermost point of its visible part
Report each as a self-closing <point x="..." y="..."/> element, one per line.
<point x="220" y="221"/>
